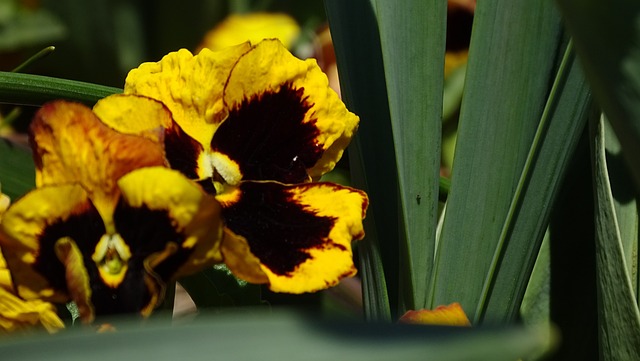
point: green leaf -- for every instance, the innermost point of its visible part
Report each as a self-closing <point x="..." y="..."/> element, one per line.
<point x="625" y="200"/>
<point x="509" y="71"/>
<point x="375" y="296"/>
<point x="607" y="40"/>
<point x="562" y="122"/>
<point x="357" y="45"/>
<point x="535" y="308"/>
<point x="27" y="89"/>
<point x="412" y="36"/>
<point x="17" y="171"/>
<point x="619" y="317"/>
<point x="281" y="337"/>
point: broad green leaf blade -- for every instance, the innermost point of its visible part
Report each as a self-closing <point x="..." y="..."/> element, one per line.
<point x="561" y="125"/>
<point x="607" y="40"/>
<point x="281" y="337"/>
<point x="412" y="36"/>
<point x="509" y="72"/>
<point x="17" y="171"/>
<point x="27" y="89"/>
<point x="619" y="317"/>
<point x="625" y="200"/>
<point x="357" y="45"/>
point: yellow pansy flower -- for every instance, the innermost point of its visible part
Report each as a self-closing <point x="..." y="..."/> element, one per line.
<point x="108" y="225"/>
<point x="252" y="27"/>
<point x="262" y="126"/>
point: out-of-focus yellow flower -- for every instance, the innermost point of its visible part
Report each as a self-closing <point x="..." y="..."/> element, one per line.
<point x="252" y="27"/>
<point x="109" y="225"/>
<point x="451" y="315"/>
<point x="266" y="126"/>
<point x="17" y="314"/>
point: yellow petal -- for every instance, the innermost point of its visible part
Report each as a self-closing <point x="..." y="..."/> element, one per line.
<point x="4" y="203"/>
<point x="451" y="315"/>
<point x="71" y="145"/>
<point x="238" y="257"/>
<point x="252" y="27"/>
<point x="282" y="115"/>
<point x="76" y="276"/>
<point x="194" y="215"/>
<point x="17" y="314"/>
<point x="5" y="276"/>
<point x="137" y="115"/>
<point x="190" y="86"/>
<point x="301" y="234"/>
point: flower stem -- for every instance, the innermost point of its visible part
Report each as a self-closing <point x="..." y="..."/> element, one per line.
<point x="39" y="55"/>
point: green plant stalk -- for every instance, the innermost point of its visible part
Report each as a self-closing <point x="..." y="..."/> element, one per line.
<point x="39" y="55"/>
<point x="35" y="90"/>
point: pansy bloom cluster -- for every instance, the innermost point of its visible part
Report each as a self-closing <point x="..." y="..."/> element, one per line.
<point x="208" y="158"/>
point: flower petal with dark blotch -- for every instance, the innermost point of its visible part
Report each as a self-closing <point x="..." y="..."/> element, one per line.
<point x="285" y="123"/>
<point x="299" y="235"/>
<point x="29" y="233"/>
<point x="267" y="137"/>
<point x="149" y="118"/>
<point x="185" y="154"/>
